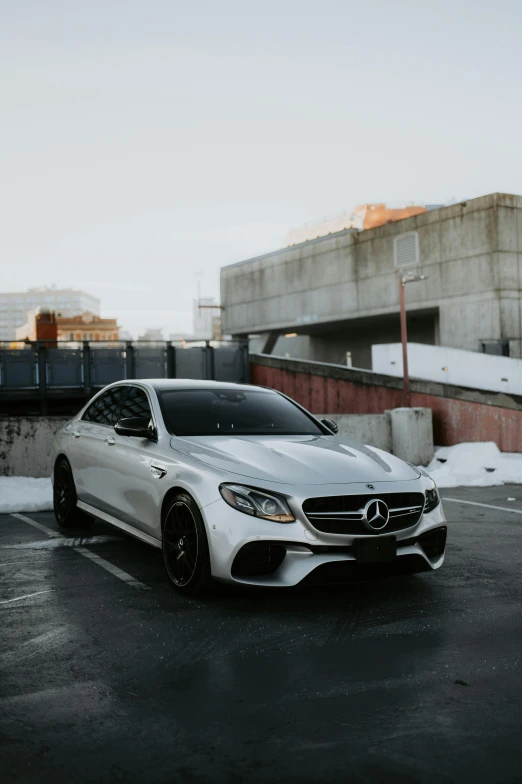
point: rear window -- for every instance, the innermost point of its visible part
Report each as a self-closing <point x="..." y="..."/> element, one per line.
<point x="233" y="412"/>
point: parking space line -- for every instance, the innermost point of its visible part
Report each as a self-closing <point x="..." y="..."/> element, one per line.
<point x="25" y="596"/>
<point x="486" y="506"/>
<point x="127" y="578"/>
<point x="114" y="570"/>
<point x="51" y="544"/>
<point x="48" y="531"/>
<point x="10" y="563"/>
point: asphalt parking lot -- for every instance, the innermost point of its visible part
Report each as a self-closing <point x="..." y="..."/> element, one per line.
<point x="107" y="675"/>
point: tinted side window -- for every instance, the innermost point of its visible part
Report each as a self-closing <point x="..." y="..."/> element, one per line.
<point x="136" y="404"/>
<point x="105" y="409"/>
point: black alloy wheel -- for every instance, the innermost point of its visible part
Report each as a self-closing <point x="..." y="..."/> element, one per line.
<point x="185" y="546"/>
<point x="65" y="500"/>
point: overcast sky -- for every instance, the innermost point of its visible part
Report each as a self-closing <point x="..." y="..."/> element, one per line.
<point x="144" y="141"/>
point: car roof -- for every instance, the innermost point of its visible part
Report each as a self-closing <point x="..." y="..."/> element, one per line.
<point x="167" y="384"/>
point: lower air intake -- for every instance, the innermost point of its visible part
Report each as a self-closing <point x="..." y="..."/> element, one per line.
<point x="434" y="542"/>
<point x="256" y="559"/>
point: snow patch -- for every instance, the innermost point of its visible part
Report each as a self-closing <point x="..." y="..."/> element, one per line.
<point x="23" y="494"/>
<point x="479" y="464"/>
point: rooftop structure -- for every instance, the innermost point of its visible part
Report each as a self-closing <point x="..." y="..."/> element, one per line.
<point x="365" y="216"/>
<point x="339" y="293"/>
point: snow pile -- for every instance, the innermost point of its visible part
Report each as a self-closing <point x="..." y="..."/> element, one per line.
<point x="22" y="494"/>
<point x="475" y="465"/>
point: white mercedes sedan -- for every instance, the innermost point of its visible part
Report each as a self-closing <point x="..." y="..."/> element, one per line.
<point x="241" y="484"/>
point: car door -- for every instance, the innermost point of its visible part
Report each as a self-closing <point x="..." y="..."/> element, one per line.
<point x="131" y="491"/>
<point x="87" y="436"/>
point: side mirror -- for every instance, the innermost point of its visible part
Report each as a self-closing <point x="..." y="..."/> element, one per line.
<point x="135" y="426"/>
<point x="331" y="425"/>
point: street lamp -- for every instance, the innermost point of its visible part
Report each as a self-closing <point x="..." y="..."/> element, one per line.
<point x="403" y="280"/>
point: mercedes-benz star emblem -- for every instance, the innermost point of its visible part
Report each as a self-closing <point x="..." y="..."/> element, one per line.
<point x="376" y="515"/>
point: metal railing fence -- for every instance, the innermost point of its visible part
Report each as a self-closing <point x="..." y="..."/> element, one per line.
<point x="47" y="368"/>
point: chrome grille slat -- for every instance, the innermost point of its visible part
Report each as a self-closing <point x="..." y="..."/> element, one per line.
<point x="394" y="514"/>
<point x="406" y="509"/>
<point x="344" y="515"/>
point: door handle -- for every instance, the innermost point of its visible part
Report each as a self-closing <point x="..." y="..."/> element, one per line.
<point x="110" y="441"/>
<point x="76" y="434"/>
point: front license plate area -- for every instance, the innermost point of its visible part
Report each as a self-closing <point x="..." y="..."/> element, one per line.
<point x="379" y="550"/>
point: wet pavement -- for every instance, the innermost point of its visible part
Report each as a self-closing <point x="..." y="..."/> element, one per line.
<point x="412" y="679"/>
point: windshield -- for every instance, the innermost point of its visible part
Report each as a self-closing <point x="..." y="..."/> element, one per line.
<point x="233" y="412"/>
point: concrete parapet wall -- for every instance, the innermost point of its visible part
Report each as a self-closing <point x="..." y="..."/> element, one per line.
<point x="25" y="445"/>
<point x="412" y="434"/>
<point x="406" y="432"/>
<point x="459" y="414"/>
<point x="372" y="429"/>
<point x="25" y="442"/>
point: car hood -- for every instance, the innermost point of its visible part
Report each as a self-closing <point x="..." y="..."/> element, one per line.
<point x="296" y="459"/>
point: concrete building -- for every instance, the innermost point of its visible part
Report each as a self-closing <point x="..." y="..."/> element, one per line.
<point x="339" y="293"/>
<point x="14" y="306"/>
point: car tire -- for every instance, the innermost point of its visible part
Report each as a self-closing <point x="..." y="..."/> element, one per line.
<point x="185" y="546"/>
<point x="65" y="500"/>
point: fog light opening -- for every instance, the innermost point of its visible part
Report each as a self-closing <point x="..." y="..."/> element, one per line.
<point x="256" y="559"/>
<point x="434" y="542"/>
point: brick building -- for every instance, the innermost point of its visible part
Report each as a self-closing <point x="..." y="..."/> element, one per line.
<point x="87" y="326"/>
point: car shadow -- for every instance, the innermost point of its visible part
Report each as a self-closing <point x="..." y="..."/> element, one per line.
<point x="326" y="598"/>
<point x="389" y="594"/>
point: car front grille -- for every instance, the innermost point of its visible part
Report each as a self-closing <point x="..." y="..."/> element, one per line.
<point x="344" y="514"/>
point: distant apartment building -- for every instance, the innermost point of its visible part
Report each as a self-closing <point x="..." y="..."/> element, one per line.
<point x="86" y="326"/>
<point x="152" y="333"/>
<point x="14" y="306"/>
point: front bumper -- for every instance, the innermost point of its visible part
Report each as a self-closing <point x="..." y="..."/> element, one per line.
<point x="309" y="553"/>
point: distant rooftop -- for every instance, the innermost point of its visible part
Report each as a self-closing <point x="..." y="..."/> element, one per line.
<point x="364" y="216"/>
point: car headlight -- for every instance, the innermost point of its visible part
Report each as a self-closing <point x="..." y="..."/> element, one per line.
<point x="257" y="503"/>
<point x="432" y="499"/>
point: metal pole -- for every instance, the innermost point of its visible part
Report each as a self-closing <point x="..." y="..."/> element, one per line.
<point x="404" y="339"/>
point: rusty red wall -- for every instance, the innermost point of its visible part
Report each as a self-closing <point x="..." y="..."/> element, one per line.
<point x="454" y="421"/>
<point x="45" y="326"/>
